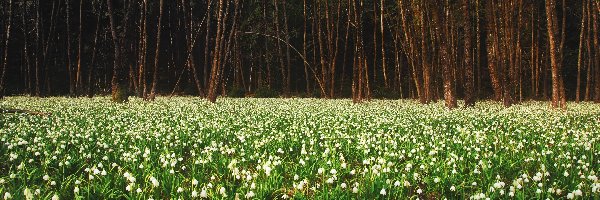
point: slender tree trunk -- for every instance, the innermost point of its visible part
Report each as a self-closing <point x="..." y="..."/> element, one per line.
<point x="69" y="64"/>
<point x="215" y="69"/>
<point x="5" y="56"/>
<point x="383" y="60"/>
<point x="207" y="44"/>
<point x="469" y="99"/>
<point x="37" y="49"/>
<point x="288" y="79"/>
<point x="27" y="66"/>
<point x="304" y="50"/>
<point x="427" y="92"/>
<point x="78" y="78"/>
<point x="119" y="77"/>
<point x="152" y="95"/>
<point x="90" y="86"/>
<point x="554" y="59"/>
<point x="579" y="56"/>
<point x="597" y="51"/>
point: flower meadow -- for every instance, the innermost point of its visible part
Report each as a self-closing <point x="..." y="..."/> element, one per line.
<point x="187" y="148"/>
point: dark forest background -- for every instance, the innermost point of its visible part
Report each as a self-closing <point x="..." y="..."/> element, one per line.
<point x="506" y="50"/>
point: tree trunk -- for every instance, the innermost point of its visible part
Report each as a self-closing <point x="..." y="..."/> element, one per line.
<point x="215" y="68"/>
<point x="5" y="56"/>
<point x="69" y="64"/>
<point x="78" y="78"/>
<point x="580" y="50"/>
<point x="152" y="95"/>
<point x="469" y="99"/>
<point x="90" y="86"/>
<point x="120" y="91"/>
<point x="554" y="60"/>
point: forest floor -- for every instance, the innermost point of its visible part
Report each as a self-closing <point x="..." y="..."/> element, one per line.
<point x="188" y="148"/>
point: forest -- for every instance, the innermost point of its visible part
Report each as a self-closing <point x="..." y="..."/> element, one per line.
<point x="507" y="51"/>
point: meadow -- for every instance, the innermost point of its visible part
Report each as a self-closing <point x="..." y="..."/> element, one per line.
<point x="188" y="148"/>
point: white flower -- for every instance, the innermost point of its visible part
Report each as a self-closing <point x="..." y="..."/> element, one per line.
<point x="329" y="180"/>
<point x="499" y="184"/>
<point x="76" y="190"/>
<point x="179" y="190"/>
<point x="570" y="196"/>
<point x="343" y="185"/>
<point x="382" y="192"/>
<point x="566" y="174"/>
<point x="436" y="180"/>
<point x="249" y="195"/>
<point x="7" y="196"/>
<point x="333" y="171"/>
<point x="453" y="188"/>
<point x="419" y="191"/>
<point x="203" y="193"/>
<point x="397" y="183"/>
<point x="320" y="170"/>
<point x="53" y="183"/>
<point x="55" y="197"/>
<point x="139" y="190"/>
<point x="194" y="182"/>
<point x="28" y="194"/>
<point x="577" y="192"/>
<point x="46" y="177"/>
<point x="355" y="190"/>
<point x="194" y="193"/>
<point x="223" y="192"/>
<point x="154" y="181"/>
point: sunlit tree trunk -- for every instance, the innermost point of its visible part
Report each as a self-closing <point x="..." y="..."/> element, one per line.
<point x="554" y="59"/>
<point x="215" y="68"/>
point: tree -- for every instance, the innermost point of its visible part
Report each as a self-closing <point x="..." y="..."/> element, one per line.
<point x="5" y="55"/>
<point x="554" y="59"/>
<point x="469" y="97"/>
<point x="215" y="71"/>
<point x="156" y="53"/>
<point x="119" y="80"/>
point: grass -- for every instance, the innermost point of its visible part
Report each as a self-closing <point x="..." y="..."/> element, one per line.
<point x="187" y="148"/>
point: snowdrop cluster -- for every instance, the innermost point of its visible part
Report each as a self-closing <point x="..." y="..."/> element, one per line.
<point x="187" y="148"/>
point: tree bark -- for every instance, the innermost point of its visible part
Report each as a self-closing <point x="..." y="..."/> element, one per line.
<point x="554" y="59"/>
<point x="215" y="68"/>
<point x="152" y="95"/>
<point x="5" y="56"/>
<point x="469" y="99"/>
<point x="120" y="91"/>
